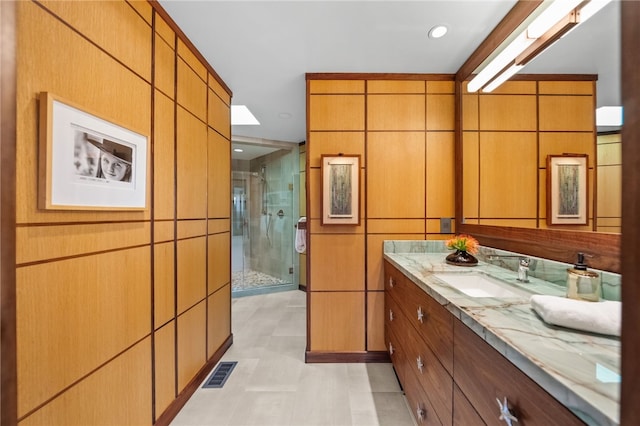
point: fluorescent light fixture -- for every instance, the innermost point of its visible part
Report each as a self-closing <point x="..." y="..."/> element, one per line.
<point x="551" y="24"/>
<point x="438" y="31"/>
<point x="550" y="16"/>
<point x="241" y="116"/>
<point x="609" y="116"/>
<point x="591" y="8"/>
<point x="238" y="150"/>
<point x="499" y="62"/>
<point x="506" y="75"/>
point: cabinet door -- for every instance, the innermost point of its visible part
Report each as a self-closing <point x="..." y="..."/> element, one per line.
<point x="485" y="376"/>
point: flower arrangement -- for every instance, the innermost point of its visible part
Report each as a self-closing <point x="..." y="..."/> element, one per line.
<point x="463" y="243"/>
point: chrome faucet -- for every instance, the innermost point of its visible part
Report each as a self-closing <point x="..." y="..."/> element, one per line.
<point x="524" y="265"/>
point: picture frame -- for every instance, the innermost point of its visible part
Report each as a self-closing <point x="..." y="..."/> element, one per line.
<point x="340" y="189"/>
<point x="567" y="189"/>
<point x="87" y="162"/>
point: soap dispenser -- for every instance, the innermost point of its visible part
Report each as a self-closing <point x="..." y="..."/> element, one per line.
<point x="583" y="284"/>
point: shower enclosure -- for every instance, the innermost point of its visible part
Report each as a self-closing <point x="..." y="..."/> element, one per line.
<point x="263" y="229"/>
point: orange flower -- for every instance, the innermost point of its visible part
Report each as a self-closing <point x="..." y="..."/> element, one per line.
<point x="464" y="243"/>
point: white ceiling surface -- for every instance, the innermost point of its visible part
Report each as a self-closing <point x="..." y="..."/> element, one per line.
<point x="262" y="49"/>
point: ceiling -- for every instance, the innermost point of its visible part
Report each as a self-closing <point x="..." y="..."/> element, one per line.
<point x="262" y="49"/>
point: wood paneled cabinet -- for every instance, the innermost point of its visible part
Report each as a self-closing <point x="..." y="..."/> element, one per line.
<point x="450" y="375"/>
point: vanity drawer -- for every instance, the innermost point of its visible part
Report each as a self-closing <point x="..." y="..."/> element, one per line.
<point x="432" y="320"/>
<point x="421" y="407"/>
<point x="484" y="375"/>
<point x="433" y="378"/>
<point x="463" y="412"/>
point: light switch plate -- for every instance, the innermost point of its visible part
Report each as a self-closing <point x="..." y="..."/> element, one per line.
<point x="445" y="225"/>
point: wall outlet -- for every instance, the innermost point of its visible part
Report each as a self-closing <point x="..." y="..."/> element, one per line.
<point x="445" y="225"/>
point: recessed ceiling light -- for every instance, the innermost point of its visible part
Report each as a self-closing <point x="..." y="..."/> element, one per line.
<point x="241" y="116"/>
<point x="237" y="150"/>
<point x="438" y="31"/>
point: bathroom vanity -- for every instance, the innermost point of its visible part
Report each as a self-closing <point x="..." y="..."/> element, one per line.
<point x="464" y="356"/>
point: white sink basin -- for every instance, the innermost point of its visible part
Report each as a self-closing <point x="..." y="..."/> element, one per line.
<point x="476" y="284"/>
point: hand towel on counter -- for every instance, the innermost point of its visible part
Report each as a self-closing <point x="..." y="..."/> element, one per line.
<point x="597" y="317"/>
<point x="301" y="235"/>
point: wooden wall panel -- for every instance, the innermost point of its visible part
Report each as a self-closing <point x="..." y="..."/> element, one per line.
<point x="38" y="243"/>
<point x="566" y="87"/>
<point x="516" y="88"/>
<point x="115" y="26"/>
<point x="559" y="143"/>
<point x="574" y="113"/>
<point x="164" y="158"/>
<point x="219" y="319"/>
<point x="191" y="344"/>
<point x="192" y="91"/>
<point x="396" y="112"/>
<point x="165" y="31"/>
<point x="335" y="143"/>
<point x="194" y="63"/>
<point x="219" y="90"/>
<point x="336" y="112"/>
<point x="216" y="226"/>
<point x="120" y="394"/>
<point x="163" y="231"/>
<point x="375" y="321"/>
<point x="191" y="228"/>
<point x="508" y="112"/>
<point x="395" y="226"/>
<point x="396" y="174"/>
<point x="192" y="272"/>
<point x="67" y="73"/>
<point x="435" y="86"/>
<point x="143" y="8"/>
<point x="165" y="366"/>
<point x="192" y="167"/>
<point x="470" y="175"/>
<point x="337" y="321"/>
<point x="219" y="115"/>
<point x="508" y="154"/>
<point x="345" y="254"/>
<point x="163" y="283"/>
<point x="440" y="112"/>
<point x="219" y="176"/>
<point x="396" y="86"/>
<point x="219" y="261"/>
<point x="336" y="86"/>
<point x="610" y="198"/>
<point x="470" y="118"/>
<point x="76" y="314"/>
<point x="440" y="169"/>
<point x="165" y="60"/>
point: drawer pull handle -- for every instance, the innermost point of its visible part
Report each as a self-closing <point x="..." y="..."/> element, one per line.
<point x="391" y="282"/>
<point x="420" y="314"/>
<point x="391" y="349"/>
<point x="505" y="414"/>
<point x="390" y="315"/>
<point x="420" y="413"/>
<point x="419" y="363"/>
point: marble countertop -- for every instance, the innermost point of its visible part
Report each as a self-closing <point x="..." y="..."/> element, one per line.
<point x="581" y="370"/>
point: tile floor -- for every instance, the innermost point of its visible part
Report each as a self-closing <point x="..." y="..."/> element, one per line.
<point x="272" y="386"/>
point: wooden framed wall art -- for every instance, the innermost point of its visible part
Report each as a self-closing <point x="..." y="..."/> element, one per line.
<point x="340" y="190"/>
<point x="88" y="163"/>
<point x="567" y="191"/>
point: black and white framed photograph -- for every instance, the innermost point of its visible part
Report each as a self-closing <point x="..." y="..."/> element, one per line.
<point x="340" y="190"/>
<point x="88" y="163"/>
<point x="567" y="192"/>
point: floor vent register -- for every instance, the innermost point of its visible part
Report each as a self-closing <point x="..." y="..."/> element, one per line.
<point x="220" y="375"/>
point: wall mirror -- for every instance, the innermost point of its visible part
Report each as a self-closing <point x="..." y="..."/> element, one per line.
<point x="592" y="48"/>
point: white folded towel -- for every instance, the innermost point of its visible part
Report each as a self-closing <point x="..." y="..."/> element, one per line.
<point x="301" y="236"/>
<point x="597" y="317"/>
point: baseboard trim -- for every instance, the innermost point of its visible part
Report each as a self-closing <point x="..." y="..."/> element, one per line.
<point x="346" y="357"/>
<point x="174" y="408"/>
<point x="302" y="287"/>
